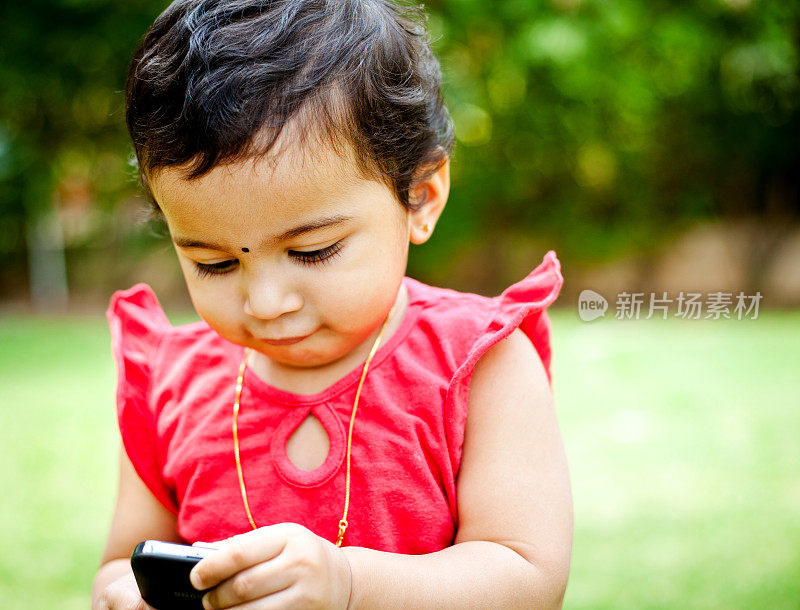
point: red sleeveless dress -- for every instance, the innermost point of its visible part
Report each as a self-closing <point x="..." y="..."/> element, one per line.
<point x="175" y="393"/>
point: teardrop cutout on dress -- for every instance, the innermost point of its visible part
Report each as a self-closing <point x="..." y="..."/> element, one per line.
<point x="308" y="446"/>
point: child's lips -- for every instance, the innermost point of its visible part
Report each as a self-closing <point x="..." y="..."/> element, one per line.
<point x="287" y="341"/>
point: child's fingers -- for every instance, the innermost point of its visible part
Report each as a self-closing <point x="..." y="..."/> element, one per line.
<point x="237" y="554"/>
<point x="208" y="545"/>
<point x="261" y="580"/>
<point x="123" y="593"/>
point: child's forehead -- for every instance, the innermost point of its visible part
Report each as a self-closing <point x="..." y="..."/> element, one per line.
<point x="305" y="165"/>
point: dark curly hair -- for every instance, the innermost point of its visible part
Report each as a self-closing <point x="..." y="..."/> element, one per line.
<point x="211" y="75"/>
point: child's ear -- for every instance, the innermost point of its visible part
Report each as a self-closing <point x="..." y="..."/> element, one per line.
<point x="432" y="193"/>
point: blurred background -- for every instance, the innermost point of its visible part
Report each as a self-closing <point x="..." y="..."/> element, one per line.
<point x="654" y="145"/>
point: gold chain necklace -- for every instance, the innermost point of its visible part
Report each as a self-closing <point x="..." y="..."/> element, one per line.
<point x="240" y="382"/>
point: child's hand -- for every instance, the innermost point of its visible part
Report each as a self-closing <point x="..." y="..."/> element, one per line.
<point x="122" y="594"/>
<point x="282" y="566"/>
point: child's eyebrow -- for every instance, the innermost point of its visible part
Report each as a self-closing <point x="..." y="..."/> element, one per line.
<point x="187" y="242"/>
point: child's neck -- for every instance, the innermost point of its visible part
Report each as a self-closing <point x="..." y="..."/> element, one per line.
<point x="313" y="381"/>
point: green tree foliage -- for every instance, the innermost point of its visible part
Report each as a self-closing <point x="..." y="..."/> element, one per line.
<point x="604" y="125"/>
<point x="596" y="127"/>
<point x="62" y="137"/>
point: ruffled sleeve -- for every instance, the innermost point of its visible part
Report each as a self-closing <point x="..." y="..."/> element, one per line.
<point x="522" y="305"/>
<point x="138" y="325"/>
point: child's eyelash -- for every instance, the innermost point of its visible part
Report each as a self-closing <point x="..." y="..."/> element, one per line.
<point x="206" y="269"/>
<point x="304" y="258"/>
<point x="317" y="256"/>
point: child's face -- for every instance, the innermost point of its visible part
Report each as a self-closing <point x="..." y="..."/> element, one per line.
<point x="258" y="281"/>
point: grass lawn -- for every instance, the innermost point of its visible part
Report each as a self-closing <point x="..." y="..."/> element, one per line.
<point x="683" y="439"/>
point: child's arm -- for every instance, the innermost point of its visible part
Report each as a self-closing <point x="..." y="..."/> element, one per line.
<point x="514" y="538"/>
<point x="514" y="541"/>
<point x="138" y="516"/>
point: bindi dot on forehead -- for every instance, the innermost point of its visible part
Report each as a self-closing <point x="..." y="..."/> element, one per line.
<point x="245" y="249"/>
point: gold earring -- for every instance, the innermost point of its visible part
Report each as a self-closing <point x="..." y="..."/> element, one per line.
<point x="426" y="228"/>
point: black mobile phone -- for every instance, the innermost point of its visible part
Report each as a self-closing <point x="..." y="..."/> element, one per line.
<point x="162" y="573"/>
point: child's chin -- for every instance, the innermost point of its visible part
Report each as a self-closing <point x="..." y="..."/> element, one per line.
<point x="296" y="355"/>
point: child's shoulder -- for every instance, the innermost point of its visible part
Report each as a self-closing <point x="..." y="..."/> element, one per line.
<point x="535" y="291"/>
<point x="462" y="326"/>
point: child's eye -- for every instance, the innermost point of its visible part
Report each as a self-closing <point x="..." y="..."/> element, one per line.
<point x="206" y="269"/>
<point x="304" y="258"/>
<point x="317" y="256"/>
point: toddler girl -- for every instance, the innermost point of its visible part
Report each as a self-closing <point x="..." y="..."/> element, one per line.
<point x="348" y="437"/>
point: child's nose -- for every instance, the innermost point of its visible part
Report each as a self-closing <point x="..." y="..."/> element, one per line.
<point x="270" y="299"/>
